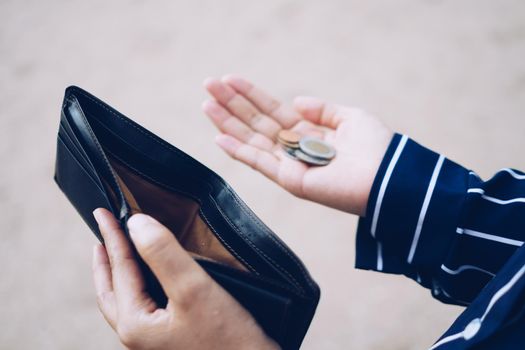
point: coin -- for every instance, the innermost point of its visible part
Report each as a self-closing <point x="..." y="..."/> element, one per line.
<point x="309" y="159"/>
<point x="290" y="145"/>
<point x="290" y="152"/>
<point x="316" y="148"/>
<point x="288" y="137"/>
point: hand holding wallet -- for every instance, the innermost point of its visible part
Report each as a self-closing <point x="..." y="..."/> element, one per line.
<point x="106" y="160"/>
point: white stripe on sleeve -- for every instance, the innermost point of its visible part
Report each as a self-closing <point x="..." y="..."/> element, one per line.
<point x="493" y="199"/>
<point x="462" y="268"/>
<point x="489" y="237"/>
<point x="381" y="194"/>
<point x="384" y="183"/>
<point x="424" y="207"/>
<point x="514" y="174"/>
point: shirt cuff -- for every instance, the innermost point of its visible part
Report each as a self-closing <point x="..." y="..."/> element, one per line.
<point x="412" y="212"/>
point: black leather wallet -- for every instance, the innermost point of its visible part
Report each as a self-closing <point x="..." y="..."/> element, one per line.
<point x="106" y="160"/>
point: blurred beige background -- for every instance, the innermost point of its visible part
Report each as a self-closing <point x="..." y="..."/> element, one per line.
<point x="449" y="73"/>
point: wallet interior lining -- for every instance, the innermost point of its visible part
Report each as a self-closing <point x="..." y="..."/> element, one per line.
<point x="177" y="212"/>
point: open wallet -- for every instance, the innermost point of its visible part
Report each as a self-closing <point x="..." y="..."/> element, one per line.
<point x="106" y="160"/>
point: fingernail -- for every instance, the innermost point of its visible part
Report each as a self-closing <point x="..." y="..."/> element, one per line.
<point x="139" y="221"/>
<point x="97" y="215"/>
<point x="209" y="105"/>
<point x="140" y="228"/>
<point x="208" y="81"/>
<point x="229" y="78"/>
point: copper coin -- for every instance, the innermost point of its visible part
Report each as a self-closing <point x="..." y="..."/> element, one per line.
<point x="289" y="137"/>
<point x="289" y="145"/>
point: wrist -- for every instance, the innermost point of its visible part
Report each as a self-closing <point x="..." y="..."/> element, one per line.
<point x="366" y="170"/>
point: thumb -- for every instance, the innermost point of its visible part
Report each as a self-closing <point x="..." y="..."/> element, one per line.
<point x="319" y="111"/>
<point x="169" y="261"/>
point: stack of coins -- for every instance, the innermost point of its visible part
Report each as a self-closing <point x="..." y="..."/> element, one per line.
<point x="310" y="150"/>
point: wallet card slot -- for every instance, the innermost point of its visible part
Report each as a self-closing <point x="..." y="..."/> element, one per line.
<point x="113" y="141"/>
<point x="75" y="181"/>
<point x="79" y="156"/>
<point x="79" y="163"/>
<point x="65" y="127"/>
<point x="74" y="113"/>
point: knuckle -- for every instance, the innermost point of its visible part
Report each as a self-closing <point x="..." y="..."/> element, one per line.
<point x="195" y="286"/>
<point x="256" y="119"/>
<point x="246" y="134"/>
<point x="257" y="163"/>
<point x="117" y="253"/>
<point x="273" y="106"/>
<point x="252" y="139"/>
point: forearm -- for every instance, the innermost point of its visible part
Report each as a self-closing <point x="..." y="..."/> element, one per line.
<point x="423" y="220"/>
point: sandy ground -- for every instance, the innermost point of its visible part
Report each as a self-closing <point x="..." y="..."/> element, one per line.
<point x="448" y="73"/>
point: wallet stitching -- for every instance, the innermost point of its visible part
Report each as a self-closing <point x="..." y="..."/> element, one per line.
<point x="249" y="213"/>
<point x="261" y="278"/>
<point x="171" y="148"/>
<point x="200" y="209"/>
<point x="218" y="235"/>
<point x="252" y="244"/>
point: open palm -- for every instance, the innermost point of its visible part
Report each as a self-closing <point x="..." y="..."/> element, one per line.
<point x="250" y="120"/>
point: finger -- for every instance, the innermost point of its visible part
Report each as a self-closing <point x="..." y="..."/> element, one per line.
<point x="319" y="112"/>
<point x="262" y="161"/>
<point x="228" y="124"/>
<point x="128" y="283"/>
<point x="240" y="107"/>
<point x="172" y="265"/>
<point x="283" y="114"/>
<point x="103" y="285"/>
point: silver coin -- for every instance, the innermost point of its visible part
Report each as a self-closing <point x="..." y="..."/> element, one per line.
<point x="290" y="152"/>
<point x="317" y="148"/>
<point x="309" y="159"/>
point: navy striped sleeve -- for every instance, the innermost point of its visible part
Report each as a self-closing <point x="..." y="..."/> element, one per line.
<point x="438" y="223"/>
